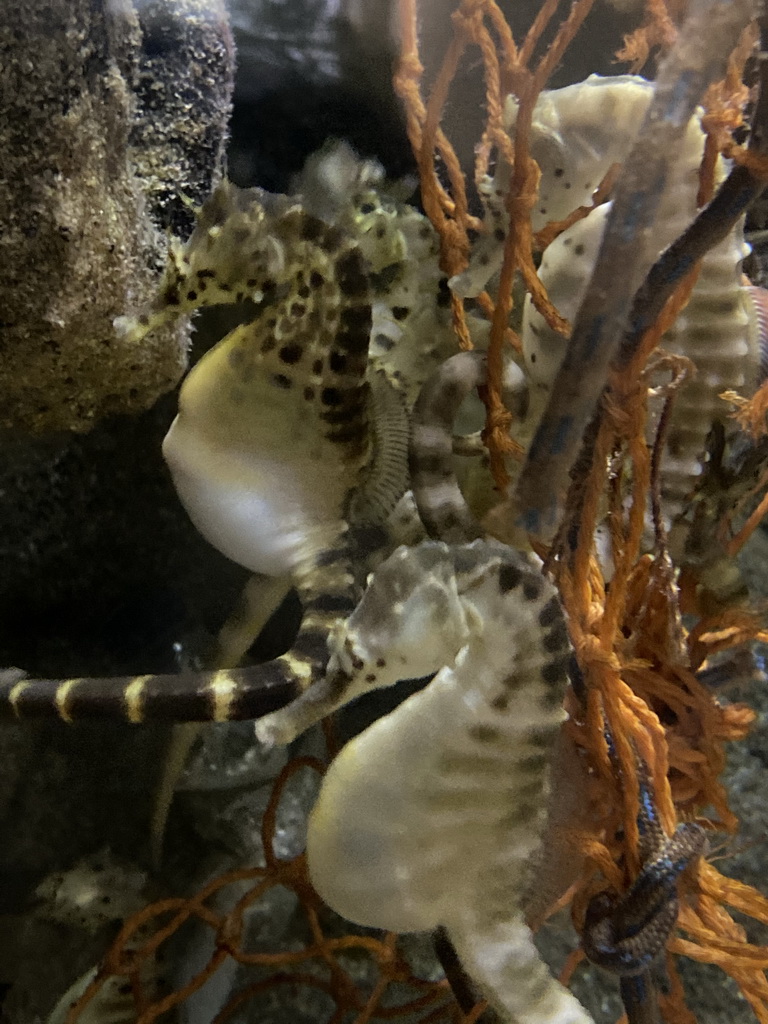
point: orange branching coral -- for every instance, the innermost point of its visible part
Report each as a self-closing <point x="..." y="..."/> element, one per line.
<point x="319" y="965"/>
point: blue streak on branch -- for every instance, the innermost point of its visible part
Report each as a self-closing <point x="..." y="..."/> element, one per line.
<point x="697" y="59"/>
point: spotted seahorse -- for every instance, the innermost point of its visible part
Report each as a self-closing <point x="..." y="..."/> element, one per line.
<point x="429" y="817"/>
<point x="286" y="442"/>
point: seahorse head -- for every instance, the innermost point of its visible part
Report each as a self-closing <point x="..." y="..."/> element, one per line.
<point x="409" y="623"/>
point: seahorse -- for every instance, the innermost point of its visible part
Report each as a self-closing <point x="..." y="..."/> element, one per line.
<point x="430" y="816"/>
<point x="578" y="133"/>
<point x="285" y="443"/>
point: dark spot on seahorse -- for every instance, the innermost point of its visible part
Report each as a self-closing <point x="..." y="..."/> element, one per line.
<point x="509" y="578"/>
<point x="484" y="733"/>
<point x="556" y="671"/>
<point x="316" y="279"/>
<point x="534" y="763"/>
<point x="352" y="278"/>
<point x="281" y="380"/>
<point x="367" y="208"/>
<point x="384" y="342"/>
<point x="236" y="358"/>
<point x="556" y="638"/>
<point x="312" y="229"/>
<point x="331" y="396"/>
<point x="513" y="682"/>
<point x="559" y="172"/>
<point x="268" y="344"/>
<point x="291" y="353"/>
<point x="303" y="291"/>
<point x="578" y="250"/>
<point x="380" y="662"/>
<point x="443" y="293"/>
<point x="499" y="235"/>
<point x="298" y="309"/>
<point x="520" y="814"/>
<point x="337" y="362"/>
<point x="531" y="588"/>
<point x="317" y="367"/>
<point x="567" y="241"/>
<point x="309" y="394"/>
<point x="500" y="702"/>
<point x="550" y="613"/>
<point x="191" y="295"/>
<point x="225" y="287"/>
<point x="371" y="677"/>
<point x="567" y="185"/>
<point x="353" y="342"/>
<point x="206" y="272"/>
<point x="332" y="240"/>
<point x="400" y="312"/>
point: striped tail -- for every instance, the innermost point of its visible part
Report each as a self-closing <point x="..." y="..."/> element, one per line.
<point x="436" y="490"/>
<point x="328" y="593"/>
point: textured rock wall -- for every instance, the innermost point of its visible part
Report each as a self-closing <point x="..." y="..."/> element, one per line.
<point x="113" y="118"/>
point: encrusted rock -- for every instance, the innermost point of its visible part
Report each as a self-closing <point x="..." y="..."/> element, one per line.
<point x="112" y="123"/>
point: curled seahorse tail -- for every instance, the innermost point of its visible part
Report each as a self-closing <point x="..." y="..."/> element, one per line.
<point x="440" y="502"/>
<point x="503" y="961"/>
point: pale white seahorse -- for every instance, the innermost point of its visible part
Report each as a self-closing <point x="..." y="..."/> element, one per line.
<point x="430" y="817"/>
<point x="577" y="134"/>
